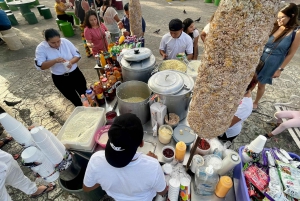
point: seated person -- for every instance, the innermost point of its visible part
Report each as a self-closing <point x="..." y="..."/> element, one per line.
<point x="176" y="41"/>
<point x="294" y="121"/>
<point x="243" y="112"/>
<point x="4" y="22"/>
<point x="126" y="24"/>
<point x="121" y="171"/>
<point x="189" y="29"/>
<point x="60" y="9"/>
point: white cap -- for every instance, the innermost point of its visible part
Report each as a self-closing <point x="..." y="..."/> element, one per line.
<point x="209" y="170"/>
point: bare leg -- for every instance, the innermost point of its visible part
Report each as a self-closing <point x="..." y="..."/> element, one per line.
<point x="259" y="94"/>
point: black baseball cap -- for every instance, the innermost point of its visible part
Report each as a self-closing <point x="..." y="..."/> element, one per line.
<point x="175" y="25"/>
<point x="124" y="137"/>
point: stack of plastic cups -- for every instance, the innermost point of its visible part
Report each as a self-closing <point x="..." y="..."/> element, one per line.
<point x="185" y="189"/>
<point x="60" y="147"/>
<point x="45" y="168"/>
<point x="46" y="146"/>
<point x="256" y="146"/>
<point x="174" y="187"/>
<point x="16" y="129"/>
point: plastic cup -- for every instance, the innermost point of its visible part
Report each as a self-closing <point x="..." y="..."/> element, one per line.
<point x="31" y="154"/>
<point x="197" y="161"/>
<point x="245" y="157"/>
<point x="223" y="186"/>
<point x="38" y="135"/>
<point x="257" y="145"/>
<point x="21" y="134"/>
<point x="8" y="122"/>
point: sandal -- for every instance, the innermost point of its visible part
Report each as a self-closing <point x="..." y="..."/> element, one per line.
<point x="16" y="156"/>
<point x="5" y="141"/>
<point x="46" y="190"/>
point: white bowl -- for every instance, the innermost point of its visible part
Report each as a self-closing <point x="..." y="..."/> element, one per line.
<point x="164" y="157"/>
<point x="203" y="152"/>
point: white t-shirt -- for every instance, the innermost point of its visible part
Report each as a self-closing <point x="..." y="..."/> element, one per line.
<point x="66" y="51"/>
<point x="140" y="180"/>
<point x="109" y="19"/>
<point x="206" y="28"/>
<point x="243" y="112"/>
<point x="6" y="158"/>
<point x="173" y="46"/>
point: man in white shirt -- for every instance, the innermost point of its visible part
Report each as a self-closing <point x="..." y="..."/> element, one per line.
<point x="176" y="41"/>
<point x="123" y="173"/>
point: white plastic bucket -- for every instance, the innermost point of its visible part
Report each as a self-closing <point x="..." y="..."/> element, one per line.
<point x="12" y="40"/>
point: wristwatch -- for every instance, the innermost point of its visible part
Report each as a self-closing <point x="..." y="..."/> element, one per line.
<point x="281" y="69"/>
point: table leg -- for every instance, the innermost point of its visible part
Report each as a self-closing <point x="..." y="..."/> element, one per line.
<point x="24" y="9"/>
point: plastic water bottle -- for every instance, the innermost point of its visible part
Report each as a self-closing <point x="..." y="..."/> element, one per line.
<point x="206" y="180"/>
<point x="84" y="101"/>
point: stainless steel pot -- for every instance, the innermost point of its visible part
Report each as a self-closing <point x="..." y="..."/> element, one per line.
<point x="174" y="89"/>
<point x="137" y="64"/>
<point x="134" y="89"/>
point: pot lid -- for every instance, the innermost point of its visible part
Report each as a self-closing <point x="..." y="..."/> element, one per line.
<point x="166" y="82"/>
<point x="188" y="83"/>
<point x="138" y="65"/>
<point x="185" y="134"/>
<point x="137" y="54"/>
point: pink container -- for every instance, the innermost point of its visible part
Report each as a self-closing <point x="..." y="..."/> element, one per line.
<point x="101" y="131"/>
<point x="110" y="117"/>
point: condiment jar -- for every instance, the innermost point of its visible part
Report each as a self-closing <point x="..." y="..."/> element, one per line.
<point x="224" y="185"/>
<point x="180" y="151"/>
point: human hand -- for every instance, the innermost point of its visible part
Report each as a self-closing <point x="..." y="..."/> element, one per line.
<point x="120" y="25"/>
<point x="151" y="154"/>
<point x="91" y="45"/>
<point x="59" y="60"/>
<point x="165" y="56"/>
<point x="126" y="33"/>
<point x="69" y="65"/>
<point x="276" y="74"/>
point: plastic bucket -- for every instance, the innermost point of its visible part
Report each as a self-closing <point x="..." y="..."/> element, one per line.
<point x="75" y="186"/>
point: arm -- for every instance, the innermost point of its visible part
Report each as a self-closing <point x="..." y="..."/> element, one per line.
<point x="203" y="36"/>
<point x="234" y="121"/>
<point x="189" y="56"/>
<point x="195" y="52"/>
<point x="290" y="55"/>
<point x="163" y="54"/>
<point x="162" y="48"/>
<point x="61" y="8"/>
<point x="88" y="189"/>
<point x="164" y="191"/>
<point x="49" y="64"/>
<point x="41" y="62"/>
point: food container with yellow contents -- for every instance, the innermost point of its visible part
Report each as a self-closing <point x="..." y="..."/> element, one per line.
<point x="165" y="133"/>
<point x="172" y="64"/>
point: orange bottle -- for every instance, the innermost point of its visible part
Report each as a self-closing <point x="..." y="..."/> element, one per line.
<point x="102" y="60"/>
<point x="180" y="151"/>
<point x="224" y="185"/>
<point x="117" y="74"/>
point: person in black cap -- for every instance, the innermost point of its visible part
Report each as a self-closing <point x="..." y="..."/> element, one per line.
<point x="119" y="168"/>
<point x="176" y="41"/>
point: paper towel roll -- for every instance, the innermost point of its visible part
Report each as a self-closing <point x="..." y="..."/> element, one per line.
<point x="61" y="148"/>
<point x="229" y="162"/>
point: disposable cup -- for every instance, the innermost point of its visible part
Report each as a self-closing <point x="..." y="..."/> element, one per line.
<point x="257" y="145"/>
<point x="38" y="135"/>
<point x="21" y="134"/>
<point x="53" y="177"/>
<point x="8" y="122"/>
<point x="28" y="143"/>
<point x="197" y="161"/>
<point x="31" y="154"/>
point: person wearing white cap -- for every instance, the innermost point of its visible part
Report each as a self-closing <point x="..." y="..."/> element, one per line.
<point x="12" y="175"/>
<point x="123" y="173"/>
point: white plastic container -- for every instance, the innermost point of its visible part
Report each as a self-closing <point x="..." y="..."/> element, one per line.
<point x="165" y="139"/>
<point x="158" y="112"/>
<point x="88" y="146"/>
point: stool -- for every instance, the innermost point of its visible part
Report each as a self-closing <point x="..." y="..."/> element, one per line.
<point x="12" y="19"/>
<point x="7" y="11"/>
<point x="76" y="20"/>
<point x="46" y="13"/>
<point x="207" y="1"/>
<point x="30" y="18"/>
<point x="39" y="7"/>
<point x="12" y="40"/>
<point x="4" y="6"/>
<point x="67" y="29"/>
<point x="119" y="4"/>
<point x="13" y="8"/>
<point x="36" y="2"/>
<point x="58" y="22"/>
<point x="217" y="2"/>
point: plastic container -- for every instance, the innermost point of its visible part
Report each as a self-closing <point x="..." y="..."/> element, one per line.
<point x="257" y="145"/>
<point x="224" y="185"/>
<point x="180" y="151"/>
<point x="8" y="122"/>
<point x="206" y="180"/>
<point x="168" y="159"/>
<point x="165" y="139"/>
<point x="91" y="142"/>
<point x="240" y="188"/>
<point x="84" y="101"/>
<point x="203" y="152"/>
<point x="99" y="133"/>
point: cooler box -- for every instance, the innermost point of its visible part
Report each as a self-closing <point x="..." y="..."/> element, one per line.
<point x="240" y="188"/>
<point x="88" y="145"/>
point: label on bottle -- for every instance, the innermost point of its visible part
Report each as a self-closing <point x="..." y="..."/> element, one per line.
<point x="100" y="96"/>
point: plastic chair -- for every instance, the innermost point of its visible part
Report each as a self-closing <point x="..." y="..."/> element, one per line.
<point x="12" y="19"/>
<point x="39" y="7"/>
<point x="30" y="18"/>
<point x="46" y="13"/>
<point x="67" y="29"/>
<point x="58" y="22"/>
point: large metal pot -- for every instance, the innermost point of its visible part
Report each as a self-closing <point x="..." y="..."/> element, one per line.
<point x="134" y="89"/>
<point x="137" y="64"/>
<point x="174" y="89"/>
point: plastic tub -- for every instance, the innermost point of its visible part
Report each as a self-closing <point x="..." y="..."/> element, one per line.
<point x="100" y="132"/>
<point x="88" y="146"/>
<point x="240" y="188"/>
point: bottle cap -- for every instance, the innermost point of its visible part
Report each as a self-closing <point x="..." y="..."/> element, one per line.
<point x="209" y="170"/>
<point x="89" y="91"/>
<point x="181" y="145"/>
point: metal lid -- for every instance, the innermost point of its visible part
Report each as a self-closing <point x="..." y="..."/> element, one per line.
<point x="137" y="54"/>
<point x="188" y="83"/>
<point x="166" y="82"/>
<point x="139" y="65"/>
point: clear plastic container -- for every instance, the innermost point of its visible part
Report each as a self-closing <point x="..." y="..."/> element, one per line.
<point x="206" y="180"/>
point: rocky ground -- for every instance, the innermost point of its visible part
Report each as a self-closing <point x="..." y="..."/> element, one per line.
<point x="19" y="80"/>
